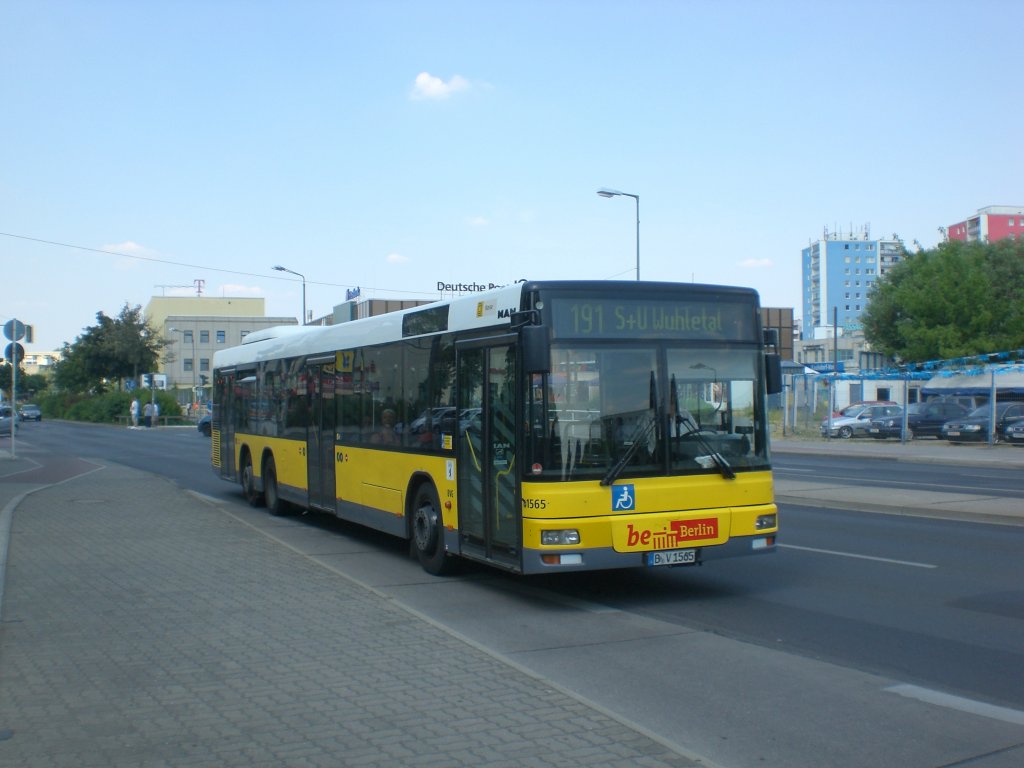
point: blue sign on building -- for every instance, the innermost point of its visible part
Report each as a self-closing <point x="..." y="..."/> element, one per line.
<point x="827" y="367"/>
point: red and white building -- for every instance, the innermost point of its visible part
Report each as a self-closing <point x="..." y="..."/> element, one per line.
<point x="996" y="222"/>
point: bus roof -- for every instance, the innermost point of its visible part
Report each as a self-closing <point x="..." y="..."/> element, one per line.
<point x="480" y="310"/>
<point x="489" y="309"/>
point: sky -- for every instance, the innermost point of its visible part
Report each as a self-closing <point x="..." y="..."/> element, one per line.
<point x="163" y="148"/>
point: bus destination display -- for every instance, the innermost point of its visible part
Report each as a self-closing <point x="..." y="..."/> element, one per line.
<point x="609" y="318"/>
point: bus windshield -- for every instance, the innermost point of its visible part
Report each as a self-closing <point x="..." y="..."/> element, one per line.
<point x="606" y="412"/>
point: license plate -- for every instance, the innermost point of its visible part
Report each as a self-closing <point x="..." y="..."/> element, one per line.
<point x="874" y="430"/>
<point x="953" y="434"/>
<point x="673" y="557"/>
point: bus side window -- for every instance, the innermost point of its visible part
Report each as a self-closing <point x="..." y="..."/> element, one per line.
<point x="416" y="380"/>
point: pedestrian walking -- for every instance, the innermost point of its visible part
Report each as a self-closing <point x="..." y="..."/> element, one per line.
<point x="147" y="414"/>
<point x="156" y="414"/>
<point x="133" y="413"/>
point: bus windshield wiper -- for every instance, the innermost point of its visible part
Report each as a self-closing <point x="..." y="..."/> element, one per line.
<point x="640" y="437"/>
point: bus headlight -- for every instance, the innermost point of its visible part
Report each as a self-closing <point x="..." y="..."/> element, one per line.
<point x="570" y="537"/>
<point x="765" y="521"/>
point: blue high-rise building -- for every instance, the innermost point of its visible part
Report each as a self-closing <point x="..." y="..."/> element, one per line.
<point x="837" y="274"/>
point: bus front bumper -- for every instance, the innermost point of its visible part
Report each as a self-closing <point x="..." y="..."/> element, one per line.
<point x="606" y="558"/>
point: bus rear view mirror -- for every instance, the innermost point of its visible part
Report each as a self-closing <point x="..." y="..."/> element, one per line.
<point x="536" y="348"/>
<point x="773" y="373"/>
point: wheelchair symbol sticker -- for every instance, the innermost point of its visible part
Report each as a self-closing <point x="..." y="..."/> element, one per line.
<point x="623" y="498"/>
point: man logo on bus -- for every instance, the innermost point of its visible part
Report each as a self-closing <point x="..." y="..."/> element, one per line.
<point x="623" y="498"/>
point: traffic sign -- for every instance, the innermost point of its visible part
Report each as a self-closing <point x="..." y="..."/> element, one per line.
<point x="12" y="351"/>
<point x="14" y="330"/>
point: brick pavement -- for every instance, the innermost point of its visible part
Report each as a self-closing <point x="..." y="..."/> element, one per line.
<point x="143" y="627"/>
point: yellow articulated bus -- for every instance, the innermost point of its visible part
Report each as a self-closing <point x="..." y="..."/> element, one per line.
<point x="539" y="427"/>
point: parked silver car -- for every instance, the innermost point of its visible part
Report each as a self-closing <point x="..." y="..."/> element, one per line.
<point x="7" y="421"/>
<point x="858" y="421"/>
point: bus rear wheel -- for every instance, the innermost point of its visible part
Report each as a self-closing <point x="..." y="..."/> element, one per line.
<point x="428" y="532"/>
<point x="275" y="504"/>
<point x="254" y="497"/>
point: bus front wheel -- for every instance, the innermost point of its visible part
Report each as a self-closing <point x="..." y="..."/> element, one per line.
<point x="428" y="532"/>
<point x="254" y="497"/>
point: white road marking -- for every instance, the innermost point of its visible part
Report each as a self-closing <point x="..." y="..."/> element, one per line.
<point x="858" y="557"/>
<point x="1005" y="714"/>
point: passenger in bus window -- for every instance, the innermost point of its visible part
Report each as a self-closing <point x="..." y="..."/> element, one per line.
<point x="386" y="435"/>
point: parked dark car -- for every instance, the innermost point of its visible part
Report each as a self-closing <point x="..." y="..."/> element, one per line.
<point x="30" y="412"/>
<point x="923" y="419"/>
<point x="205" y="425"/>
<point x="970" y="402"/>
<point x="974" y="427"/>
<point x="1014" y="432"/>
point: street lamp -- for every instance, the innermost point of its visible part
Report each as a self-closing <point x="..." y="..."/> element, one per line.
<point x="615" y="193"/>
<point x="703" y="367"/>
<point x="279" y="268"/>
<point x="195" y="386"/>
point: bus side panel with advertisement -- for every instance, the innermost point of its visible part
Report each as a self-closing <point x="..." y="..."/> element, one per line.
<point x="545" y="426"/>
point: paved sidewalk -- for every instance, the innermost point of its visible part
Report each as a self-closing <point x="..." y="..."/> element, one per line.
<point x="142" y="626"/>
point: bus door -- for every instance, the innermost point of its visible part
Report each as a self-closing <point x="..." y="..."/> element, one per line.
<point x="320" y="435"/>
<point x="490" y="518"/>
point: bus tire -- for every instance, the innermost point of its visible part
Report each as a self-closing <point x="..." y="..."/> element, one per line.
<point x="254" y="497"/>
<point x="428" y="532"/>
<point x="275" y="504"/>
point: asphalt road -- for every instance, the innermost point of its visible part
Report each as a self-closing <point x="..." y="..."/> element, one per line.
<point x="857" y="620"/>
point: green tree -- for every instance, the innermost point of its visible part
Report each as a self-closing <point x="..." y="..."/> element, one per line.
<point x="32" y="384"/>
<point x="5" y="378"/>
<point x="71" y="373"/>
<point x="109" y="352"/>
<point x="956" y="300"/>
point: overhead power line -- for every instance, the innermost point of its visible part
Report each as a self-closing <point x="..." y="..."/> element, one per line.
<point x="197" y="266"/>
